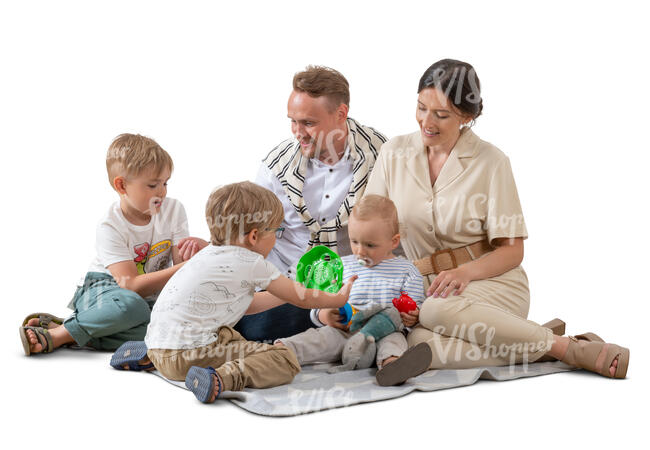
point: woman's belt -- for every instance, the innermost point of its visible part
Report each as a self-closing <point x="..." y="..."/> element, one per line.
<point x="449" y="258"/>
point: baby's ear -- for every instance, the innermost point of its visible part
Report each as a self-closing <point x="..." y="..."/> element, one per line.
<point x="395" y="241"/>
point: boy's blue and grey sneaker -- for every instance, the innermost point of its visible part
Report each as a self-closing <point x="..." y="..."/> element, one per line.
<point x="200" y="381"/>
<point x="130" y="354"/>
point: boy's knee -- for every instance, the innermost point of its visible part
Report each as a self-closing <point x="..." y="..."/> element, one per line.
<point x="132" y="308"/>
<point x="290" y="357"/>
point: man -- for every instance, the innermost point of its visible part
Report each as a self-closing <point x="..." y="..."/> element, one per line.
<point x="318" y="175"/>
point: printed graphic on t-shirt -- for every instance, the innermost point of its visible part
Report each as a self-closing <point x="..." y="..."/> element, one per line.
<point x="154" y="258"/>
<point x="203" y="301"/>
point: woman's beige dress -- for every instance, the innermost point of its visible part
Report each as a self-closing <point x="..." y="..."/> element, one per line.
<point x="473" y="198"/>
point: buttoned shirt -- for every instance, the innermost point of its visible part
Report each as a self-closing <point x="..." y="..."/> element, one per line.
<point x="324" y="191"/>
<point x="473" y="198"/>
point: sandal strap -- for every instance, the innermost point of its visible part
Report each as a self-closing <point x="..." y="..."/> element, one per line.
<point x="44" y="319"/>
<point x="219" y="381"/>
<point x="584" y="354"/>
<point x="44" y="338"/>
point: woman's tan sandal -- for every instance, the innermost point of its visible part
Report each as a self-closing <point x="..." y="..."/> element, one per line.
<point x="43" y="336"/>
<point x="597" y="357"/>
<point x="557" y="326"/>
<point x="589" y="337"/>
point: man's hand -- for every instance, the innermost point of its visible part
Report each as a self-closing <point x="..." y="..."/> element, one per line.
<point x="411" y="318"/>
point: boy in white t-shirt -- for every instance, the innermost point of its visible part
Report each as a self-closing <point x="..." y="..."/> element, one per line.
<point x="191" y="333"/>
<point x="137" y="242"/>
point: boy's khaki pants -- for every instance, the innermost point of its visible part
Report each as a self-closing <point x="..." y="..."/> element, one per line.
<point x="239" y="363"/>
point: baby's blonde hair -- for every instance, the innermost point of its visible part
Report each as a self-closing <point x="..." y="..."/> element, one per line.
<point x="373" y="206"/>
<point x="130" y="154"/>
<point x="235" y="209"/>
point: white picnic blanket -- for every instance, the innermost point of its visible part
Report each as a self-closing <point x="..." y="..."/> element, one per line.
<point x="313" y="389"/>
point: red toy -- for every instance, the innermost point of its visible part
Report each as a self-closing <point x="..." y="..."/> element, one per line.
<point x="404" y="303"/>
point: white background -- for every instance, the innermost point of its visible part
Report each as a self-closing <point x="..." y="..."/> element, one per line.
<point x="565" y="91"/>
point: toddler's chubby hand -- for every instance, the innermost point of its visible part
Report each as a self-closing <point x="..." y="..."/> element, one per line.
<point x="190" y="246"/>
<point x="332" y="318"/>
<point x="411" y="318"/>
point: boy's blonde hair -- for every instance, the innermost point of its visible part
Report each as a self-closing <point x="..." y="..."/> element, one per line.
<point x="130" y="154"/>
<point x="373" y="206"/>
<point x="235" y="209"/>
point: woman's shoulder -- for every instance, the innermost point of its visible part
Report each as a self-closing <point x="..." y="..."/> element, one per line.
<point x="487" y="152"/>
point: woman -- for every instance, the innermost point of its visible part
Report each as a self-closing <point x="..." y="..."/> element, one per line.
<point x="462" y="225"/>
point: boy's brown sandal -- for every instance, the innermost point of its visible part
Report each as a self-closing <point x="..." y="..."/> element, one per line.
<point x="42" y="335"/>
<point x="44" y="319"/>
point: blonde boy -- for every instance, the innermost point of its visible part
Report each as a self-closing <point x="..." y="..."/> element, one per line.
<point x="136" y="244"/>
<point x="191" y="334"/>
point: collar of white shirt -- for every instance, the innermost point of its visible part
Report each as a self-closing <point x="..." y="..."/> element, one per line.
<point x="346" y="157"/>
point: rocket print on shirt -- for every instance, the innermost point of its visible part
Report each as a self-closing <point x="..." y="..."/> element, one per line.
<point x="154" y="258"/>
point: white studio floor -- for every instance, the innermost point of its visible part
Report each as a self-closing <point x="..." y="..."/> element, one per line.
<point x="83" y="399"/>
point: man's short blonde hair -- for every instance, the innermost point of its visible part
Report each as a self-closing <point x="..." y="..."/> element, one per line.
<point x="235" y="209"/>
<point x="377" y="207"/>
<point x="320" y="81"/>
<point x="130" y="154"/>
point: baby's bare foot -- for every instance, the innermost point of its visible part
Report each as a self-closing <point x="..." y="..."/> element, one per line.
<point x="388" y="360"/>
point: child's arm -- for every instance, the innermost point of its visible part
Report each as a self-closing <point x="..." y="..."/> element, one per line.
<point x="414" y="286"/>
<point x="190" y="246"/>
<point x="295" y="293"/>
<point x="127" y="277"/>
<point x="263" y="301"/>
<point x="176" y="255"/>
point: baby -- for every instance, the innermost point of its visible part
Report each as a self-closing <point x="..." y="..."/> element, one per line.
<point x="373" y="230"/>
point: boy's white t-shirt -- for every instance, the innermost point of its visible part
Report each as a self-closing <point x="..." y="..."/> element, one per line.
<point x="213" y="289"/>
<point x="148" y="246"/>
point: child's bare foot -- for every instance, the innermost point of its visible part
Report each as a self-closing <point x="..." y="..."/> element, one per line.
<point x="204" y="383"/>
<point x="58" y="334"/>
<point x="387" y="361"/>
<point x="143" y="363"/>
<point x="35" y="322"/>
<point x="217" y="388"/>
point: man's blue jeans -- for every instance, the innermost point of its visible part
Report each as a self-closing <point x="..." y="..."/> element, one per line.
<point x="281" y="321"/>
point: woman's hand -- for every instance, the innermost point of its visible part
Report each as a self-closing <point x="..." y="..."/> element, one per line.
<point x="448" y="281"/>
<point x="411" y="318"/>
<point x="332" y="318"/>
